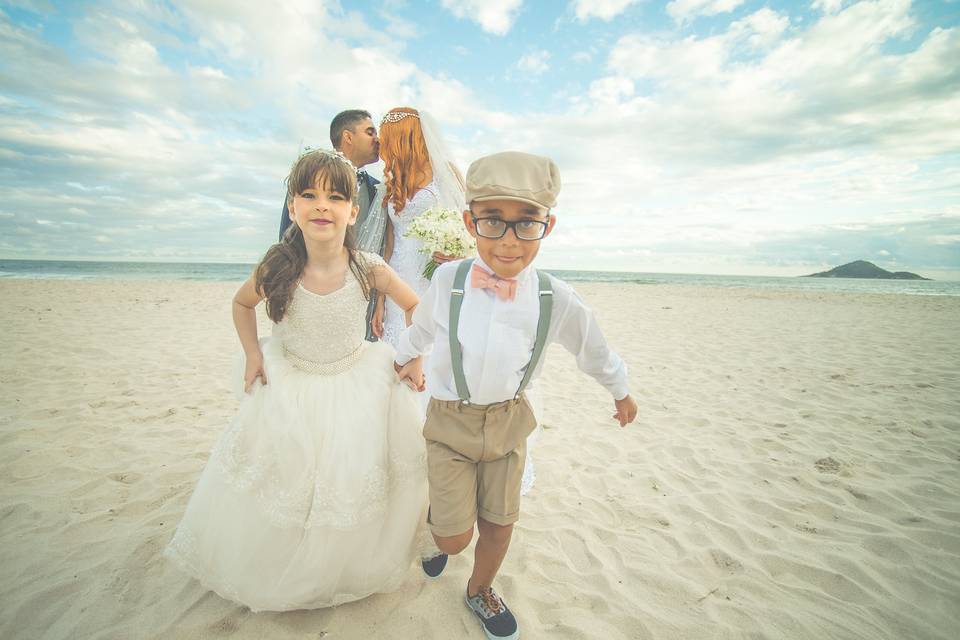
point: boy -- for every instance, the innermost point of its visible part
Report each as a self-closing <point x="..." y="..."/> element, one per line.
<point x="487" y="334"/>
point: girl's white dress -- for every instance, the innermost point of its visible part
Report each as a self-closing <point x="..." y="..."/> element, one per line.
<point x="316" y="493"/>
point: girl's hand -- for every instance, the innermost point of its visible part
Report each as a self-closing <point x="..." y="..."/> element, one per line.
<point x="626" y="410"/>
<point x="411" y="374"/>
<point x="440" y="258"/>
<point x="377" y="320"/>
<point x="253" y="369"/>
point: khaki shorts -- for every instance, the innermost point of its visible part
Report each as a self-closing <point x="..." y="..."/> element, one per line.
<point x="475" y="457"/>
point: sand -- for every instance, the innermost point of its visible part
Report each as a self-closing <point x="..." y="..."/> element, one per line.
<point x="794" y="472"/>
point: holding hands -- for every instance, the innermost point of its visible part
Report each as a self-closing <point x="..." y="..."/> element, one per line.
<point x="411" y="374"/>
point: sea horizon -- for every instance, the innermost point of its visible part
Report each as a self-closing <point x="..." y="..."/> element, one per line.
<point x="81" y="269"/>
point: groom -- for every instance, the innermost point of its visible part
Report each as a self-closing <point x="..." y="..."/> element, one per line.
<point x="352" y="133"/>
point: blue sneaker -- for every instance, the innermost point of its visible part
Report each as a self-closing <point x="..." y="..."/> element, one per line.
<point x="497" y="620"/>
<point x="435" y="565"/>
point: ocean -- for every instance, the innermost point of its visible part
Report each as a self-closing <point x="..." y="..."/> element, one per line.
<point x="209" y="271"/>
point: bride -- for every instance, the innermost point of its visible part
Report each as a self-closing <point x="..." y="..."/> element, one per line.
<point x="419" y="174"/>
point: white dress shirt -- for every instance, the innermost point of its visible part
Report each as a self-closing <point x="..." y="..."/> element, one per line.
<point x="498" y="337"/>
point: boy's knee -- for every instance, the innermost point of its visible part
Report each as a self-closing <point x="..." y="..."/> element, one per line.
<point x="497" y="533"/>
<point x="452" y="545"/>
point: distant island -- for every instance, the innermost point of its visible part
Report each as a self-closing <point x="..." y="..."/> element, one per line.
<point x="864" y="269"/>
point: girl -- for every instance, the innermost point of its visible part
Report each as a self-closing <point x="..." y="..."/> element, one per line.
<point x="315" y="492"/>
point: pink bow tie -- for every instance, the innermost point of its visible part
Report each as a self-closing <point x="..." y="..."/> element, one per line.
<point x="505" y="288"/>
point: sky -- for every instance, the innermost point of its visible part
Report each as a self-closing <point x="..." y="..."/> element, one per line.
<point x="693" y="136"/>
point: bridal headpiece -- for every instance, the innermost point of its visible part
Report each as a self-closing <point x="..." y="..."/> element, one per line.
<point x="397" y="116"/>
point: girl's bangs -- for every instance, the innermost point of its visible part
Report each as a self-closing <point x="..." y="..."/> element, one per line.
<point x="323" y="171"/>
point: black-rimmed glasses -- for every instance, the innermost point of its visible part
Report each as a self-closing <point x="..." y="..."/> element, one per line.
<point x="496" y="228"/>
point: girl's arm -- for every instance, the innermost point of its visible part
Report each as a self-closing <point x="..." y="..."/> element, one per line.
<point x="245" y="320"/>
<point x="386" y="280"/>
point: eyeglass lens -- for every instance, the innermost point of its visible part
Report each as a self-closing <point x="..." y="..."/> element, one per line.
<point x="525" y="229"/>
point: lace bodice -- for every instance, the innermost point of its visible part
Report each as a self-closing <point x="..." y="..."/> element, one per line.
<point x="422" y="200"/>
<point x="324" y="330"/>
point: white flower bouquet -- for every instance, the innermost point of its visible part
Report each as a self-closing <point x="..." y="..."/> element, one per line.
<point x="441" y="231"/>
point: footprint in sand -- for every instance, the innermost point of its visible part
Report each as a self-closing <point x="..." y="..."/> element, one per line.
<point x="577" y="553"/>
<point x="225" y="627"/>
<point x="725" y="561"/>
<point x="859" y="495"/>
<point x="126" y="477"/>
<point x="828" y="465"/>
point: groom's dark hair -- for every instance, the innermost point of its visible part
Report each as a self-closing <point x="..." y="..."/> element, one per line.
<point x="345" y="120"/>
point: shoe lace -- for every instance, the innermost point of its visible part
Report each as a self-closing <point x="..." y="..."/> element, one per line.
<point x="490" y="600"/>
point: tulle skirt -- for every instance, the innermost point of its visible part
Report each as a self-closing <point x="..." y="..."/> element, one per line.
<point x="316" y="492"/>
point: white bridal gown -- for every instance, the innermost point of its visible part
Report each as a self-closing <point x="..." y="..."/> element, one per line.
<point x="315" y="494"/>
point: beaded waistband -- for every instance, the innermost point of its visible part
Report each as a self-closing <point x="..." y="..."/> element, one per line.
<point x="326" y="368"/>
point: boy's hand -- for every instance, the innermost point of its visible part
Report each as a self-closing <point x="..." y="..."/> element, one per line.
<point x="626" y="410"/>
<point x="411" y="374"/>
<point x="252" y="370"/>
<point x="376" y="323"/>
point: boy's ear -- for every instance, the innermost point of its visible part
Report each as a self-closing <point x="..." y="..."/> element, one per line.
<point x="550" y="225"/>
<point x="468" y="222"/>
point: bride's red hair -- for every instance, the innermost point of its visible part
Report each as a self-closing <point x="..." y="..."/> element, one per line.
<point x="406" y="163"/>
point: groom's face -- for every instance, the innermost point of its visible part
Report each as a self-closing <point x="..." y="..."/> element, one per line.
<point x="361" y="144"/>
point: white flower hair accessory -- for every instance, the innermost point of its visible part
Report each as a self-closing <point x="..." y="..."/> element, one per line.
<point x="331" y="153"/>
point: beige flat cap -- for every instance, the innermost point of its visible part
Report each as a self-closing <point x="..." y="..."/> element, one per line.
<point x="512" y="175"/>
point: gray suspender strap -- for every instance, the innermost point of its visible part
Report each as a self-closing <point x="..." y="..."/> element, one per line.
<point x="543" y="326"/>
<point x="456" y="351"/>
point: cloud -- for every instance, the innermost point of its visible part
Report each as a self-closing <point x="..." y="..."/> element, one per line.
<point x="830" y="87"/>
<point x="761" y="29"/>
<point x="183" y="160"/>
<point x="731" y="248"/>
<point x="403" y="29"/>
<point x="603" y="9"/>
<point x="534" y="63"/>
<point x="828" y="6"/>
<point x="493" y="16"/>
<point x="167" y="131"/>
<point x="687" y="10"/>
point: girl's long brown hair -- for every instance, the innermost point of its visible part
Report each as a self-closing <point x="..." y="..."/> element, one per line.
<point x="282" y="266"/>
<point x="406" y="162"/>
